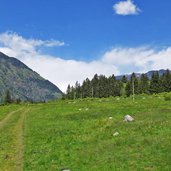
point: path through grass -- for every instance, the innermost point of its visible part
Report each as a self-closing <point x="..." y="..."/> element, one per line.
<point x="11" y="140"/>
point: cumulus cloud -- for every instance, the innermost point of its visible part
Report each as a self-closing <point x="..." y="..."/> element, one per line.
<point x="59" y="71"/>
<point x="13" y="40"/>
<point x="118" y="60"/>
<point x="126" y="8"/>
<point x="140" y="59"/>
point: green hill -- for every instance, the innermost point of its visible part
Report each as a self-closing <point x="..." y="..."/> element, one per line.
<point x="24" y="83"/>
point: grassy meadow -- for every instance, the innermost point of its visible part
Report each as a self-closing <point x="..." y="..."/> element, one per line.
<point x="78" y="135"/>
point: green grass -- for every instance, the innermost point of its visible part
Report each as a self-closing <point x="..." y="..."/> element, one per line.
<point x="4" y="110"/>
<point x="8" y="142"/>
<point x="78" y="135"/>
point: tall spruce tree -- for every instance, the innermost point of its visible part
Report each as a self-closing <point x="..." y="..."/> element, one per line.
<point x="95" y="85"/>
<point x="124" y="79"/>
<point x="77" y="90"/>
<point x="8" y="98"/>
<point x="134" y="82"/>
<point x="68" y="92"/>
<point x="166" y="81"/>
<point x="132" y="86"/>
<point x="118" y="88"/>
<point x="111" y="85"/>
<point x="86" y="88"/>
<point x="128" y="88"/>
<point x="144" y="84"/>
<point x="155" y="84"/>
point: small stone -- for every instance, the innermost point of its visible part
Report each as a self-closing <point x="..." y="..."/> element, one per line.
<point x="5" y="156"/>
<point x="128" y="118"/>
<point x="116" y="134"/>
<point x="110" y="118"/>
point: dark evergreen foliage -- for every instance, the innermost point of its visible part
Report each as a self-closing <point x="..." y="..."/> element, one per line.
<point x="8" y="98"/>
<point x="144" y="84"/>
<point x="100" y="86"/>
<point x="155" y="83"/>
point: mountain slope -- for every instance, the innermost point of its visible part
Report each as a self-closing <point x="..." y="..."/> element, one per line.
<point x="149" y="74"/>
<point x="24" y="83"/>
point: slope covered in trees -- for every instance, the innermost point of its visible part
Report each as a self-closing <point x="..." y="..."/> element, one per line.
<point x="23" y="83"/>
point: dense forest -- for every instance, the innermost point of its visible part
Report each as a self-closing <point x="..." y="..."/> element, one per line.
<point x="102" y="86"/>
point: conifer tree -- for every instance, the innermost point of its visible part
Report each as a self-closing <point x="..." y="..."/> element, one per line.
<point x="86" y="88"/>
<point x="68" y="92"/>
<point x="103" y="90"/>
<point x="144" y="84"/>
<point x="128" y="88"/>
<point x="95" y="85"/>
<point x="111" y="85"/>
<point x="8" y="98"/>
<point x="124" y="79"/>
<point x="166" y="81"/>
<point x="134" y="82"/>
<point x="155" y="86"/>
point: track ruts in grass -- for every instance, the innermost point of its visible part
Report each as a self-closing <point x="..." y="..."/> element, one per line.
<point x="20" y="142"/>
<point x="9" y="115"/>
<point x="13" y="152"/>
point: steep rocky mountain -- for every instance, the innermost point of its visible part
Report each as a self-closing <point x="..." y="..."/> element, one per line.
<point x="24" y="83"/>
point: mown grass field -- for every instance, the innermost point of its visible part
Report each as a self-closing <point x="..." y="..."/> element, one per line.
<point x="78" y="135"/>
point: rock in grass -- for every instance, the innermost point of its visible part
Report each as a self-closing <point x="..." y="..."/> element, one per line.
<point x="5" y="156"/>
<point x="110" y="118"/>
<point x="116" y="134"/>
<point x="65" y="170"/>
<point x="128" y="118"/>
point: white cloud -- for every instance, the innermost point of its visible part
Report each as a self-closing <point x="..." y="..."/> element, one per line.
<point x="13" y="40"/>
<point x="140" y="59"/>
<point x="59" y="71"/>
<point x="126" y="8"/>
<point x="62" y="72"/>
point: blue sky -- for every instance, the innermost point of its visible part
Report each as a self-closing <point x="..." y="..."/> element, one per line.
<point x="88" y="27"/>
<point x="90" y="30"/>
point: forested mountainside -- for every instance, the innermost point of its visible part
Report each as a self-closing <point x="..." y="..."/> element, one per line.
<point x="24" y="83"/>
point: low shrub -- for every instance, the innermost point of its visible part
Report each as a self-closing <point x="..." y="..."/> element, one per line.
<point x="167" y="97"/>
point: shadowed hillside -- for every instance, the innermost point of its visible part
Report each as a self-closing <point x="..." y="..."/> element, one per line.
<point x="24" y="83"/>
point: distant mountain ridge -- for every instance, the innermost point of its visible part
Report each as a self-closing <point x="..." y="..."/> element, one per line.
<point x="148" y="74"/>
<point x="23" y="82"/>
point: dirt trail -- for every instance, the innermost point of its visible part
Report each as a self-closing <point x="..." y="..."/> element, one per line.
<point x="5" y="120"/>
<point x="20" y="141"/>
<point x="17" y="134"/>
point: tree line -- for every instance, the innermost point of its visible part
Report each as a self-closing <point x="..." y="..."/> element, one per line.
<point x="101" y="86"/>
<point x="8" y="99"/>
